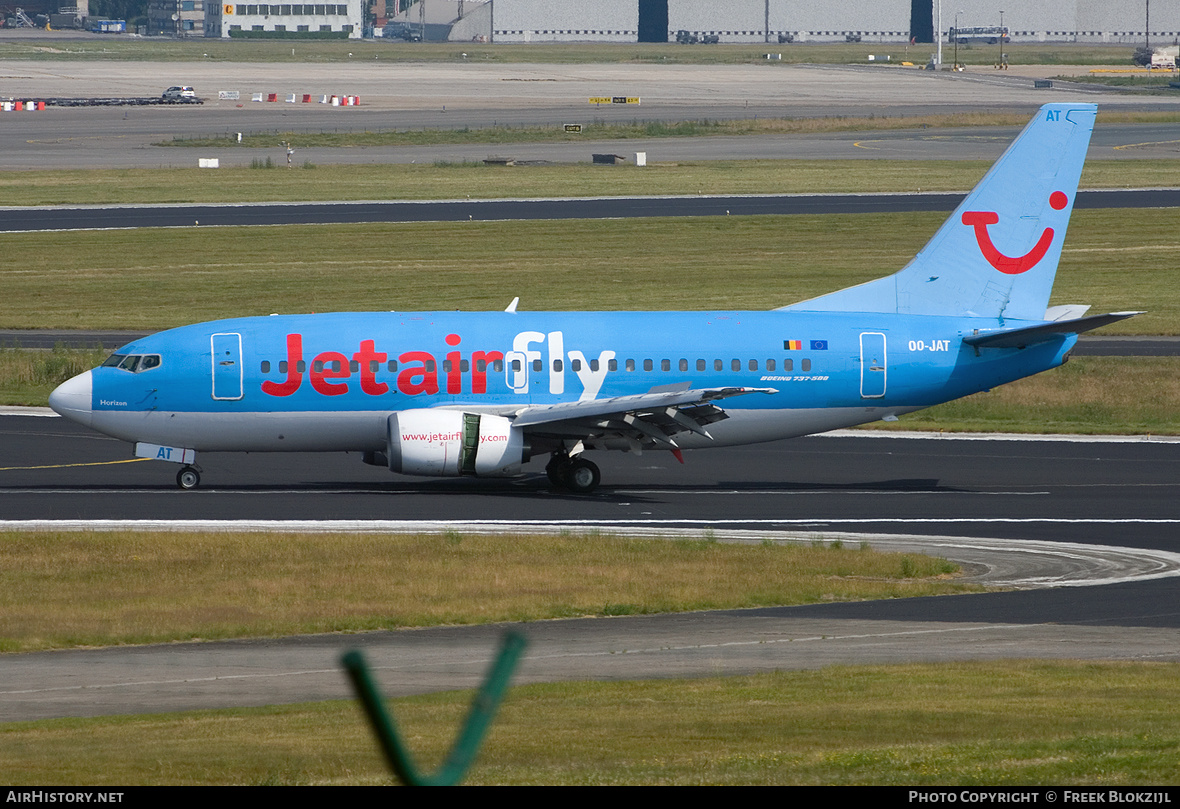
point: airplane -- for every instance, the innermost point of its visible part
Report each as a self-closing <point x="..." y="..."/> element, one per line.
<point x="483" y="393"/>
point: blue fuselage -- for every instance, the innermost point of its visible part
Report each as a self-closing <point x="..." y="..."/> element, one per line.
<point x="328" y="381"/>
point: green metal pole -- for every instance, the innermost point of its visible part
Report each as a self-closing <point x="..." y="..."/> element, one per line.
<point x="479" y="718"/>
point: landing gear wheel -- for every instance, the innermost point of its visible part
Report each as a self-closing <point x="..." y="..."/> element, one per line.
<point x="582" y="476"/>
<point x="557" y="471"/>
<point x="188" y="478"/>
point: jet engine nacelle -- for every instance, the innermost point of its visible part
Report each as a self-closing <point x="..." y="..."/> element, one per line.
<point x="450" y="442"/>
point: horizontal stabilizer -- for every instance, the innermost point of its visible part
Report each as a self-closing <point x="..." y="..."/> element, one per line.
<point x="1031" y="335"/>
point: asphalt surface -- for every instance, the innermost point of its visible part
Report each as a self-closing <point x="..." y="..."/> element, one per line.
<point x="1119" y="493"/>
<point x="134" y="216"/>
<point x="455" y="96"/>
<point x="1053" y="516"/>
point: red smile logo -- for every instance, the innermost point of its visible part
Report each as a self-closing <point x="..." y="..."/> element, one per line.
<point x="1011" y="265"/>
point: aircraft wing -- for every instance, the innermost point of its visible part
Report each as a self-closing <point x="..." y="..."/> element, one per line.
<point x="649" y="419"/>
<point x="1031" y="335"/>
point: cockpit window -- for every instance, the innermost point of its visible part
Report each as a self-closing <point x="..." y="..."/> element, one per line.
<point x="135" y="363"/>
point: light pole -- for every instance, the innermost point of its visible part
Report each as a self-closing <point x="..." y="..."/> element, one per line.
<point x="1000" y="64"/>
<point x="956" y="65"/>
<point x="938" y="37"/>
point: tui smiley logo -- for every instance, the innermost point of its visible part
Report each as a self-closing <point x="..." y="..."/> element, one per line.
<point x="1011" y="265"/>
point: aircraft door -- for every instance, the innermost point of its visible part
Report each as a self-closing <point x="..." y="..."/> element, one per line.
<point x="872" y="365"/>
<point x="227" y="366"/>
<point x="516" y="371"/>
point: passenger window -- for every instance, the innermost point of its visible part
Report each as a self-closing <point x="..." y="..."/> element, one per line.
<point x="430" y="366"/>
<point x="700" y="365"/>
<point x="770" y="365"/>
<point x="266" y="366"/>
<point x="788" y="364"/>
<point x="753" y="365"/>
<point x="498" y="366"/>
<point x="647" y="365"/>
<point x="282" y="366"/>
<point x="557" y="365"/>
<point x="575" y="365"/>
<point x="718" y="365"/>
<point x="612" y="365"/>
<point x="538" y="365"/>
<point x="516" y="366"/>
<point x="354" y="366"/>
<point x="736" y="365"/>
<point x="593" y="365"/>
<point x="391" y="365"/>
<point x="630" y="365"/>
<point x="684" y="365"/>
<point x="806" y="365"/>
<point x="665" y="365"/>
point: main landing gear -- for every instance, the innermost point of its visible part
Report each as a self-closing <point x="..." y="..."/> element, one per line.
<point x="188" y="478"/>
<point x="577" y="474"/>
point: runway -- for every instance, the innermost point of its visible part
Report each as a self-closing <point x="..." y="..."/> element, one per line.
<point x="1016" y="511"/>
<point x="49" y="218"/>
<point x="1120" y="492"/>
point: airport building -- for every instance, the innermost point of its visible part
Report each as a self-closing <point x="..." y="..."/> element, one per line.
<point x="780" y="21"/>
<point x="341" y="20"/>
<point x="181" y="18"/>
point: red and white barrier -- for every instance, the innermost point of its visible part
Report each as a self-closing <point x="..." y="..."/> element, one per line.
<point x="308" y="98"/>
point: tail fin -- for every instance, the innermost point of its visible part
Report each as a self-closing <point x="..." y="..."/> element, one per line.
<point x="997" y="255"/>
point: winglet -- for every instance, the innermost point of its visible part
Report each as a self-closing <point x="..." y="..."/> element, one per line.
<point x="512" y="306"/>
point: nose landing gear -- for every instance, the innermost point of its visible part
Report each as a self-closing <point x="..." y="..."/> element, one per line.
<point x="188" y="478"/>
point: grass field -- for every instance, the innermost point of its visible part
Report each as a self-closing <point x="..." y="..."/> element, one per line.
<point x="637" y="128"/>
<point x="98" y="589"/>
<point x="478" y="181"/>
<point x="109" y="48"/>
<point x="979" y="723"/>
<point x="1116" y="260"/>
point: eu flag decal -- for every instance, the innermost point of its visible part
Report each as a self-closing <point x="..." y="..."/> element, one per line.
<point x="819" y="345"/>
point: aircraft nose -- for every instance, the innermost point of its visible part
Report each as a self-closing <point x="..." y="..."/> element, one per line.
<point x="72" y="398"/>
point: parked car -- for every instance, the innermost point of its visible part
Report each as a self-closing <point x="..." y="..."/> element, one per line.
<point x="180" y="92"/>
<point x="403" y="31"/>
